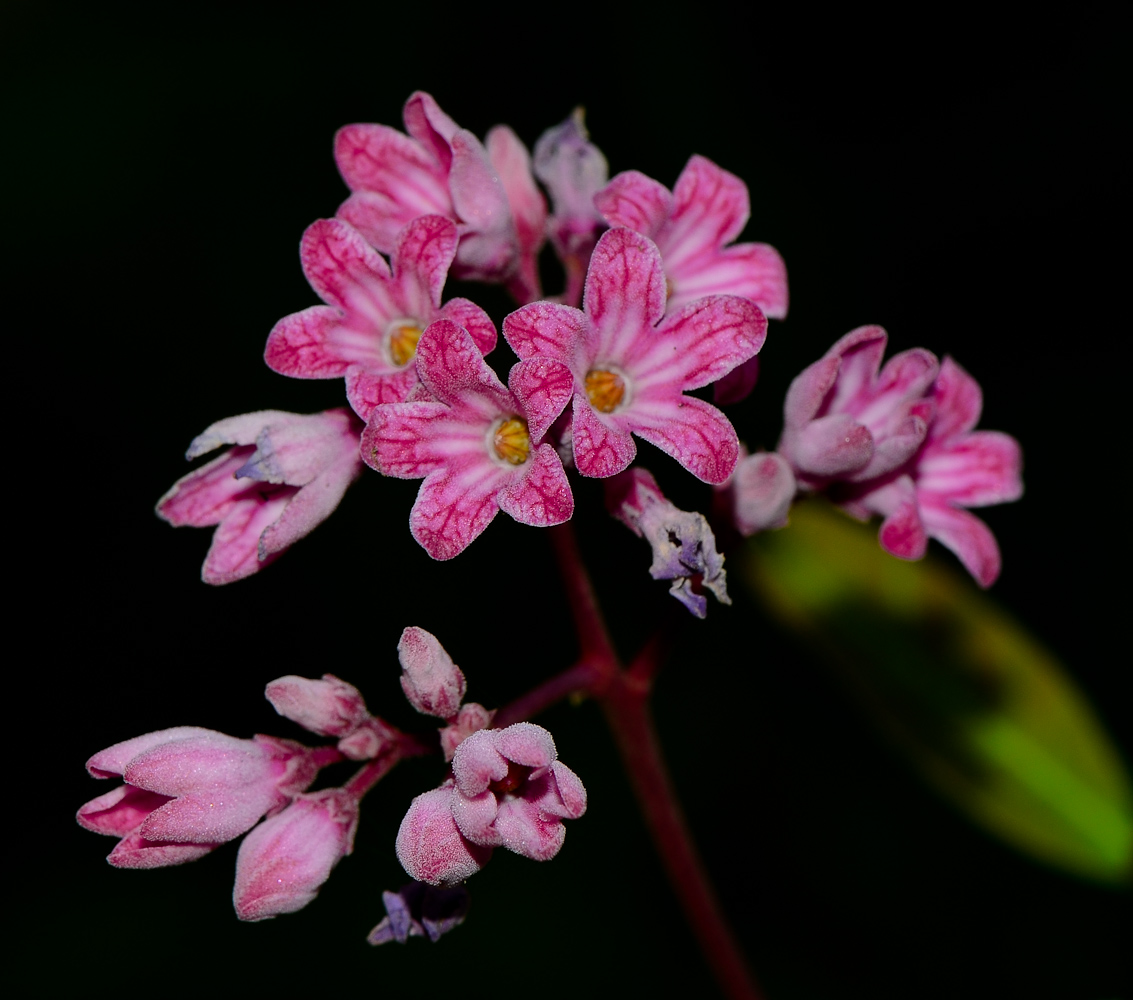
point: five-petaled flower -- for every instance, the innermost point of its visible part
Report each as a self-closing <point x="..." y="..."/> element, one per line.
<point x="955" y="468"/>
<point x="479" y="445"/>
<point x="438" y="169"/>
<point x="632" y="363"/>
<point x="285" y="476"/>
<point x="369" y="328"/>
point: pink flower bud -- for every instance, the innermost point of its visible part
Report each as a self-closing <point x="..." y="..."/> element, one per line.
<point x="368" y="740"/>
<point x="433" y="684"/>
<point x="283" y="861"/>
<point x="470" y="719"/>
<point x="429" y="845"/>
<point x="329" y="707"/>
<point x="761" y="492"/>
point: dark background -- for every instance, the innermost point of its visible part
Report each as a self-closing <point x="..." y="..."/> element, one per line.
<point x="955" y="180"/>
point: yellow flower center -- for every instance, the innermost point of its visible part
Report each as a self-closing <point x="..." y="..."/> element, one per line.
<point x="605" y="389"/>
<point x="512" y="442"/>
<point x="403" y="337"/>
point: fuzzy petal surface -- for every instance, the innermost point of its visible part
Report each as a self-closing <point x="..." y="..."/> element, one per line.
<point x="433" y="684"/>
<point x="430" y="847"/>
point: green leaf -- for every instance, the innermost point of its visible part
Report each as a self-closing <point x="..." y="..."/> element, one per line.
<point x="988" y="716"/>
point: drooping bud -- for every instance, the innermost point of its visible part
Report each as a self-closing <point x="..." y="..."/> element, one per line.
<point x="470" y="719"/>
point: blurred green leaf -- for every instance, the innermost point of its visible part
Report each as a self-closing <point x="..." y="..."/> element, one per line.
<point x="989" y="717"/>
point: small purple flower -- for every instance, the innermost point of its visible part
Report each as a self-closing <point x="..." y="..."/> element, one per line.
<point x="284" y="861"/>
<point x="479" y="445"/>
<point x="285" y="476"/>
<point x="510" y="790"/>
<point x="420" y="910"/>
<point x="188" y="790"/>
<point x="438" y="169"/>
<point x="632" y="364"/>
<point x="373" y="317"/>
<point x="955" y="468"/>
<point x="684" y="548"/>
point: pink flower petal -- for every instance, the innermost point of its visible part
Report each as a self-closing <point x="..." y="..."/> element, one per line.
<point x="902" y="532"/>
<point x="210" y="817"/>
<point x="465" y="313"/>
<point x="752" y="270"/>
<point x="452" y="368"/>
<point x="543" y="387"/>
<point x="542" y="495"/>
<point x="400" y="439"/>
<point x="365" y="391"/>
<point x="807" y="392"/>
<point x="526" y="743"/>
<point x="602" y="447"/>
<point x="571" y="792"/>
<point x="860" y="351"/>
<point x="425" y="249"/>
<point x="710" y="208"/>
<point x="523" y="829"/>
<point x="302" y="345"/>
<point x="312" y="505"/>
<point x="430" y="126"/>
<point x="112" y="761"/>
<point x="478" y="762"/>
<point x="454" y="506"/>
<point x="329" y="706"/>
<point x="967" y="536"/>
<point x="474" y="816"/>
<point x="693" y="432"/>
<point x="547" y="329"/>
<point x="234" y="552"/>
<point x="338" y="262"/>
<point x="120" y="811"/>
<point x="625" y="291"/>
<point x="763" y="488"/>
<point x="636" y="202"/>
<point x="429" y="845"/>
<point x="512" y="163"/>
<point x="959" y="401"/>
<point x="977" y="469"/>
<point x="135" y="851"/>
<point x="206" y="495"/>
<point x="489" y="246"/>
<point x="832" y="446"/>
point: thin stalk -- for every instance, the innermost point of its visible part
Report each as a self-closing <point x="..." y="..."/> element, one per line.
<point x="582" y="678"/>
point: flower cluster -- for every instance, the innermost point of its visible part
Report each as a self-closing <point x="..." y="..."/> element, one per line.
<point x="659" y="303"/>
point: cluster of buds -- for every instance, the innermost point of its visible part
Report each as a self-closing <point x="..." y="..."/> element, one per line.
<point x="188" y="790"/>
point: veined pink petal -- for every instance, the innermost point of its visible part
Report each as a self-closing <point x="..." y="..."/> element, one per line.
<point x="489" y="247"/>
<point x="399" y="440"/>
<point x="466" y="314"/>
<point x="602" y="447"/>
<point x="860" y="352"/>
<point x="303" y="345"/>
<point x="752" y="270"/>
<point x="959" y="401"/>
<point x="543" y="388"/>
<point x="710" y="208"/>
<point x="701" y="343"/>
<point x="832" y="446"/>
<point x="365" y="390"/>
<point x="234" y="552"/>
<point x="296" y="450"/>
<point x="967" y="536"/>
<point x="625" y="291"/>
<point x="242" y="429"/>
<point x="120" y="811"/>
<point x="541" y="496"/>
<point x="454" y="506"/>
<point x="430" y="126"/>
<point x="636" y="202"/>
<point x="455" y="372"/>
<point x="907" y="375"/>
<point x="693" y="432"/>
<point x="902" y="532"/>
<point x="378" y="217"/>
<point x="206" y="495"/>
<point x="547" y="329"/>
<point x="312" y="505"/>
<point x="977" y="469"/>
<point x="807" y="392"/>
<point x="425" y="249"/>
<point x="135" y="851"/>
<point x="338" y="262"/>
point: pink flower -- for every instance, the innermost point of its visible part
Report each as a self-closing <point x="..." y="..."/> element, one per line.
<point x="479" y="446"/>
<point x="955" y="468"/>
<point x="438" y="169"/>
<point x="284" y="861"/>
<point x="188" y="790"/>
<point x="331" y="707"/>
<point x="369" y="328"/>
<point x="845" y="420"/>
<point x="510" y="790"/>
<point x="430" y="847"/>
<point x="573" y="170"/>
<point x="691" y="226"/>
<point x="684" y="548"/>
<point x="512" y="163"/>
<point x="631" y="363"/>
<point x="285" y="476"/>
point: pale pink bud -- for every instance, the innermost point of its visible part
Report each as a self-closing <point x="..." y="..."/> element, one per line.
<point x="368" y="740"/>
<point x="283" y="862"/>
<point x="431" y="848"/>
<point x="433" y="684"/>
<point x="761" y="491"/>
<point x="470" y="719"/>
<point x="329" y="707"/>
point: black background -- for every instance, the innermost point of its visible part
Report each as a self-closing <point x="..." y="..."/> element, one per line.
<point x="953" y="179"/>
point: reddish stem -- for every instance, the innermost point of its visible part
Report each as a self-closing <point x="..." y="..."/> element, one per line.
<point x="370" y="773"/>
<point x="583" y="677"/>
<point x="631" y="721"/>
<point x="588" y="622"/>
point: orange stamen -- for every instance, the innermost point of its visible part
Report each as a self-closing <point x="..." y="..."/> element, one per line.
<point x="512" y="442"/>
<point x="605" y="389"/>
<point x="403" y="342"/>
